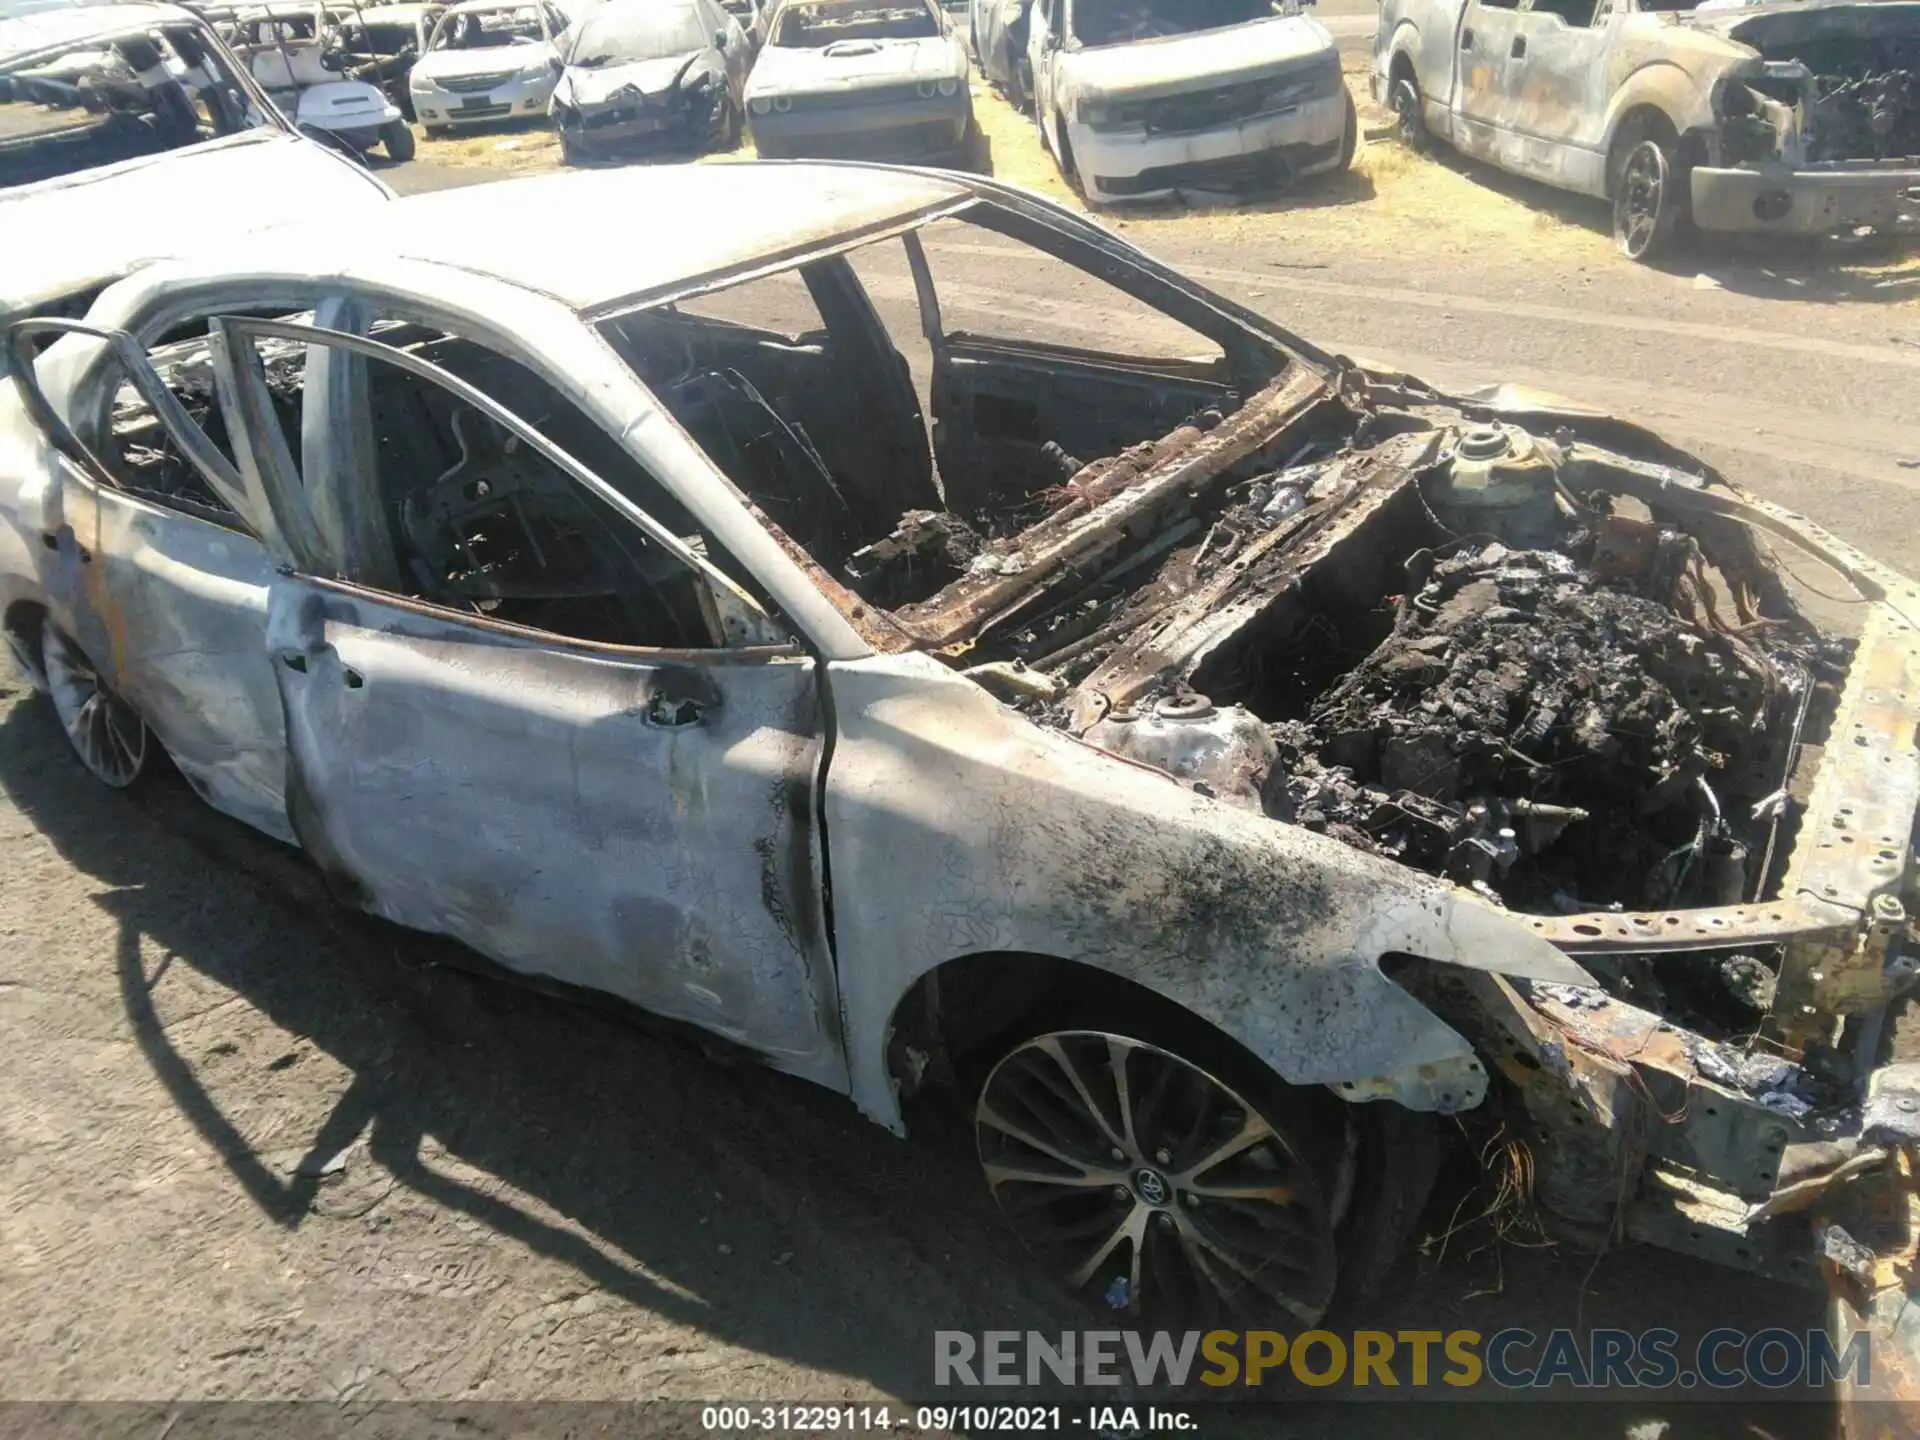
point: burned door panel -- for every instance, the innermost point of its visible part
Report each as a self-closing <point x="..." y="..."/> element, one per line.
<point x="1486" y="109"/>
<point x="1560" y="89"/>
<point x="181" y="607"/>
<point x="639" y="825"/>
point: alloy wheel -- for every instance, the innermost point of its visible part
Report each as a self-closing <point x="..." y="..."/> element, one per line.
<point x="1410" y="123"/>
<point x="1642" y="210"/>
<point x="106" y="733"/>
<point x="1150" y="1185"/>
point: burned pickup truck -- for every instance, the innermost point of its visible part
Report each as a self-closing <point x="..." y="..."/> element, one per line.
<point x="1226" y="758"/>
<point x="1793" y="117"/>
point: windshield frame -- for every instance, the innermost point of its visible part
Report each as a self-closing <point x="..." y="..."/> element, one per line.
<point x="271" y="122"/>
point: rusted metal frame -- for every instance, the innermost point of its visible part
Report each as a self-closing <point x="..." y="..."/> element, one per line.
<point x="1205" y="618"/>
<point x="973" y="605"/>
<point x="1632" y="1133"/>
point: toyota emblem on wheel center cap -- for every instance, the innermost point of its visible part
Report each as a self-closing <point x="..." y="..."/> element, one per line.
<point x="1151" y="1186"/>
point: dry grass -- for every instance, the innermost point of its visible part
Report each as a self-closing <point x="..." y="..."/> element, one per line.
<point x="513" y="147"/>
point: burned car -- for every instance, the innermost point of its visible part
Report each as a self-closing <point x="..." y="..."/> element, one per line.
<point x="1793" y="117"/>
<point x="861" y="79"/>
<point x="997" y="35"/>
<point x="650" y="74"/>
<point x="1213" y="761"/>
<point x="1146" y="99"/>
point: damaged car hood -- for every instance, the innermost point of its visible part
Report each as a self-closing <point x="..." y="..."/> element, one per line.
<point x="585" y="89"/>
<point x="854" y="65"/>
<point x="70" y="234"/>
<point x="1146" y="68"/>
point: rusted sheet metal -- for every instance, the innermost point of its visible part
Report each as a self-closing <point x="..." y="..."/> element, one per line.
<point x="1075" y="531"/>
<point x="1221" y="604"/>
<point x="1869" y="1238"/>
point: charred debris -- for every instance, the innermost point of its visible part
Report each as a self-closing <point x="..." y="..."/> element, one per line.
<point x="1832" y="85"/>
<point x="1519" y="661"/>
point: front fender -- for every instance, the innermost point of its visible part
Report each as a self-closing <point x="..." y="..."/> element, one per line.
<point x="956" y="826"/>
<point x="1661" y="85"/>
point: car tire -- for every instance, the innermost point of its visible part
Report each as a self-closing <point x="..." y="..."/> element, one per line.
<point x="397" y="136"/>
<point x="1069" y="171"/>
<point x="106" y="733"/>
<point x="735" y="128"/>
<point x="1650" y="194"/>
<point x="1167" y="1177"/>
<point x="1349" y="137"/>
<point x="1409" y="114"/>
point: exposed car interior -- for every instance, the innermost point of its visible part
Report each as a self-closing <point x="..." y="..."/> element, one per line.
<point x="827" y="432"/>
<point x="477" y="520"/>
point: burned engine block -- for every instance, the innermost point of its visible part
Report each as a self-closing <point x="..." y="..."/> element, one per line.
<point x="1547" y="736"/>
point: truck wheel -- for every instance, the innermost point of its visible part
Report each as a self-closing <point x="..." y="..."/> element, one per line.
<point x="1152" y="1186"/>
<point x="1349" y="137"/>
<point x="1409" y="119"/>
<point x="1069" y="171"/>
<point x="398" y="137"/>
<point x="1649" y="196"/>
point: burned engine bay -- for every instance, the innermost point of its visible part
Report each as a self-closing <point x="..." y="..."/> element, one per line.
<point x="1498" y="656"/>
<point x="1834" y="86"/>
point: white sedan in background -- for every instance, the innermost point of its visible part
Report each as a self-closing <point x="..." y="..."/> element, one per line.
<point x="487" y="61"/>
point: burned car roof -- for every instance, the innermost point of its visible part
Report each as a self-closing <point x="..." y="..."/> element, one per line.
<point x="731" y="217"/>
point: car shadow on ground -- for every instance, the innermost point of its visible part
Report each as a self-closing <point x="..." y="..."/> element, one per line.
<point x="843" y="1248"/>
<point x="759" y="1209"/>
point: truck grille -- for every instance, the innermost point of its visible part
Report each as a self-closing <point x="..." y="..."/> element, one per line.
<point x="1230" y="104"/>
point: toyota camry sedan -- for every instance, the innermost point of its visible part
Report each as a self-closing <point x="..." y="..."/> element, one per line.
<point x="1206" y="760"/>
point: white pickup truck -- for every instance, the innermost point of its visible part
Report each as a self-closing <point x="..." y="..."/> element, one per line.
<point x="1789" y="117"/>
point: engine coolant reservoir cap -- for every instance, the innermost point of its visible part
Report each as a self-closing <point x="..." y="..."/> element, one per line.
<point x="1485" y="442"/>
<point x="1183" y="707"/>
